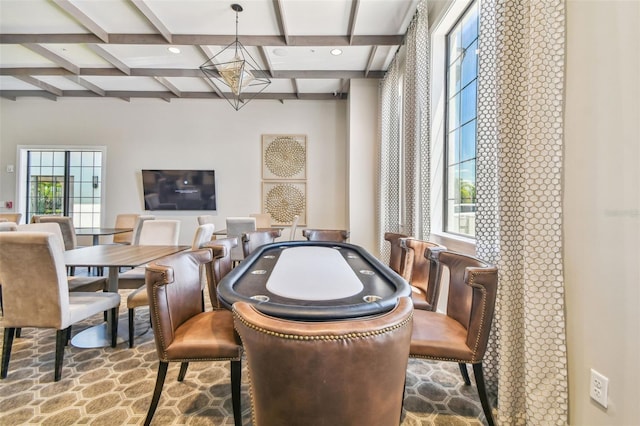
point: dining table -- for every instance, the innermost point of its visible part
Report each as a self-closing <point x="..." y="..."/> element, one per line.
<point x="112" y="257"/>
<point x="96" y="233"/>
<point x="313" y="281"/>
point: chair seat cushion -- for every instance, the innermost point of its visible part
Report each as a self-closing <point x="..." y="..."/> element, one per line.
<point x="132" y="278"/>
<point x="84" y="305"/>
<point x="438" y="336"/>
<point x="206" y="336"/>
<point x="79" y="283"/>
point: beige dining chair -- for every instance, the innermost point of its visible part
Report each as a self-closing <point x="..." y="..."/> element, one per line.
<point x="135" y="237"/>
<point x="263" y="220"/>
<point x="289" y="232"/>
<point x="236" y="226"/>
<point x="139" y="297"/>
<point x="11" y="217"/>
<point x="205" y="218"/>
<point x="125" y="220"/>
<point x="37" y="295"/>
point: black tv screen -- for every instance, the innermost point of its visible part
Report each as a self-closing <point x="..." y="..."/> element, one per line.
<point x="179" y="189"/>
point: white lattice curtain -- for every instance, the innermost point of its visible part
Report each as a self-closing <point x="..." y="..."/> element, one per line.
<point x="519" y="194"/>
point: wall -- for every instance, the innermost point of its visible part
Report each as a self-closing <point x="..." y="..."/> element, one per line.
<point x="186" y="134"/>
<point x="602" y="207"/>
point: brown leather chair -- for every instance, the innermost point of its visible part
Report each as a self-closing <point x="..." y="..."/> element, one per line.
<point x="255" y="239"/>
<point x="397" y="258"/>
<point x="183" y="332"/>
<point x="220" y="266"/>
<point x="422" y="272"/>
<point x="461" y="334"/>
<point x="335" y="235"/>
<point x="347" y="372"/>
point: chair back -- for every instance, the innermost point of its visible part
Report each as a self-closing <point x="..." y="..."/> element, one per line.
<point x="422" y="272"/>
<point x="236" y="226"/>
<point x="330" y="371"/>
<point x="126" y="220"/>
<point x="206" y="218"/>
<point x="473" y="285"/>
<point x="173" y="287"/>
<point x="67" y="228"/>
<point x="137" y="228"/>
<point x="11" y="217"/>
<point x="289" y="233"/>
<point x="159" y="233"/>
<point x="263" y="220"/>
<point x="202" y="236"/>
<point x="34" y="280"/>
<point x="397" y="257"/>
<point x="335" y="235"/>
<point x="50" y="227"/>
<point x="220" y="266"/>
<point x="255" y="239"/>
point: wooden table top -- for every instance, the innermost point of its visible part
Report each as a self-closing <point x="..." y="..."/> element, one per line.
<point x="108" y="255"/>
<point x="101" y="231"/>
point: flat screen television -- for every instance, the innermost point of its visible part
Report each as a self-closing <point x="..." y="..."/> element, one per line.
<point x="179" y="189"/>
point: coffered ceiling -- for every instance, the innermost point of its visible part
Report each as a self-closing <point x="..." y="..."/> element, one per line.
<point x="120" y="48"/>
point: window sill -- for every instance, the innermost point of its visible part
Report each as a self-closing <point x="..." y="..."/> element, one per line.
<point x="455" y="242"/>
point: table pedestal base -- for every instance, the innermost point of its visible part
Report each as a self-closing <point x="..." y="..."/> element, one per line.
<point x="99" y="336"/>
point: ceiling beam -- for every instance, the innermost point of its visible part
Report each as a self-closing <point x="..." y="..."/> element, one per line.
<point x="280" y="18"/>
<point x="355" y="5"/>
<point x="53" y="57"/>
<point x="83" y="19"/>
<point x="153" y="19"/>
<point x="208" y="39"/>
<point x="179" y="72"/>
<point x="372" y="55"/>
<point x="41" y="84"/>
<point x="99" y="50"/>
<point x="86" y="84"/>
<point x="265" y="60"/>
<point x="14" y="94"/>
<point x="294" y="83"/>
<point x="166" y="83"/>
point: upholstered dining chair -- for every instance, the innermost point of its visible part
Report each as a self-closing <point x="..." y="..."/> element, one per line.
<point x="183" y="332"/>
<point x="236" y="226"/>
<point x="125" y="220"/>
<point x="11" y="217"/>
<point x="255" y="239"/>
<point x="289" y="233"/>
<point x="35" y="293"/>
<point x="137" y="228"/>
<point x="331" y="371"/>
<point x="205" y="218"/>
<point x="335" y="235"/>
<point x="461" y="334"/>
<point x="220" y="266"/>
<point x="139" y="297"/>
<point x="422" y="272"/>
<point x="397" y="257"/>
<point x="263" y="220"/>
<point x="68" y="232"/>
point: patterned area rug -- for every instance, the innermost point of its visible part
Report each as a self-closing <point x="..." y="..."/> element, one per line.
<point x="113" y="386"/>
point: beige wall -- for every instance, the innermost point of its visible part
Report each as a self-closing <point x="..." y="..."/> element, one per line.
<point x="186" y="134"/>
<point x="602" y="207"/>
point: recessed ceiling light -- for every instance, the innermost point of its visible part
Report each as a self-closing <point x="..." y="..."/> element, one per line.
<point x="336" y="52"/>
<point x="173" y="49"/>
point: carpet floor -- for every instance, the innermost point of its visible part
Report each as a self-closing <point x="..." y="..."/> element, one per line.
<point x="113" y="386"/>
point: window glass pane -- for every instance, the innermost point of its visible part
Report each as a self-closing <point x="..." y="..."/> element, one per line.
<point x="468" y="103"/>
<point x="74" y="158"/>
<point x="468" y="141"/>
<point x="453" y="152"/>
<point x="453" y="182"/>
<point x="454" y="78"/>
<point x="35" y="158"/>
<point x="453" y="112"/>
<point x="454" y="44"/>
<point x="47" y="158"/>
<point x="468" y="182"/>
<point x="58" y="158"/>
<point x="87" y="158"/>
<point x="470" y="26"/>
<point x="469" y="64"/>
<point x="452" y="217"/>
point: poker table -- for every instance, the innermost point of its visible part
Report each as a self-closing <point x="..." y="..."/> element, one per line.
<point x="313" y="280"/>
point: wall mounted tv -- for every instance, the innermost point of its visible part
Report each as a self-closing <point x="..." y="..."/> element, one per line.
<point x="179" y="189"/>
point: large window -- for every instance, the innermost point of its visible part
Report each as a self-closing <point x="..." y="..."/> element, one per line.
<point x="460" y="135"/>
<point x="67" y="183"/>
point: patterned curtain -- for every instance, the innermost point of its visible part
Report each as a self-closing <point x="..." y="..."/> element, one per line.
<point x="519" y="190"/>
<point x="417" y="149"/>
<point x="410" y="130"/>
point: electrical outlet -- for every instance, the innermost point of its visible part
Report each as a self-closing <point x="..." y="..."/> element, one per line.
<point x="598" y="388"/>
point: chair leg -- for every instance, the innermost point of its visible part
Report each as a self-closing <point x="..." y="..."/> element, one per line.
<point x="18" y="332"/>
<point x="465" y="373"/>
<point x="162" y="373"/>
<point x="67" y="337"/>
<point x="131" y="328"/>
<point x="236" y="378"/>
<point x="183" y="371"/>
<point x="61" y="340"/>
<point x="6" y="350"/>
<point x="114" y="327"/>
<point x="482" y="392"/>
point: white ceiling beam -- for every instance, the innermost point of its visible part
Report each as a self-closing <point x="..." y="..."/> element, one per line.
<point x="86" y="84"/>
<point x="281" y="20"/>
<point x="41" y="84"/>
<point x="294" y="83"/>
<point x="166" y="83"/>
<point x="53" y="57"/>
<point x="265" y="60"/>
<point x="144" y="8"/>
<point x="100" y="51"/>
<point x="83" y="19"/>
<point x="372" y="55"/>
<point x="355" y="5"/>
